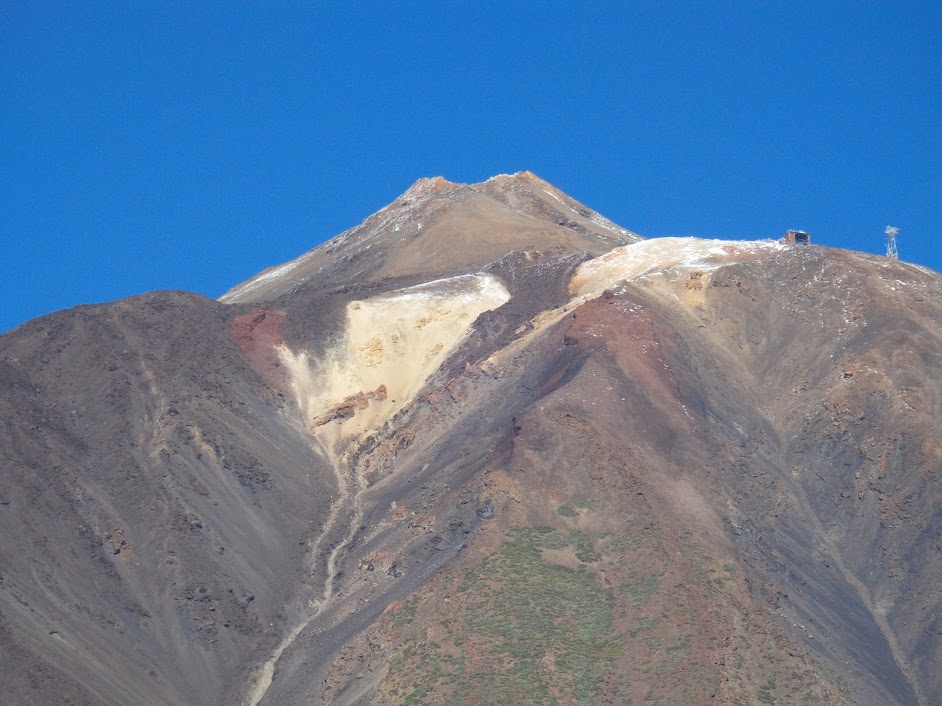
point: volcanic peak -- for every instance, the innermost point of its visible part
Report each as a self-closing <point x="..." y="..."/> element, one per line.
<point x="424" y="187"/>
<point x="438" y="228"/>
<point x="441" y="183"/>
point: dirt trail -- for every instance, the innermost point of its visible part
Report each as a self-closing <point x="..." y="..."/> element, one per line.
<point x="350" y="485"/>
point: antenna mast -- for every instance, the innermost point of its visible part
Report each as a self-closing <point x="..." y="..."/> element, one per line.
<point x="891" y="233"/>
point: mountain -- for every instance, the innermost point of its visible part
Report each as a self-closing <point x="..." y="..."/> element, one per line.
<point x="487" y="447"/>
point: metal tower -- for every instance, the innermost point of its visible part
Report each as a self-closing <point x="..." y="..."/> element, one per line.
<point x="891" y="233"/>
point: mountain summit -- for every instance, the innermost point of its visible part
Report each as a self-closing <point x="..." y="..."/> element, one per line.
<point x="437" y="228"/>
<point x="486" y="447"/>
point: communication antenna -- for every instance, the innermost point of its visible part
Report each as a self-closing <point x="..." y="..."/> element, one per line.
<point x="891" y="233"/>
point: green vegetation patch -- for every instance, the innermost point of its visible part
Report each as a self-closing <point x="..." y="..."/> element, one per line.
<point x="406" y="614"/>
<point x="526" y="632"/>
<point x="585" y="547"/>
<point x="567" y="511"/>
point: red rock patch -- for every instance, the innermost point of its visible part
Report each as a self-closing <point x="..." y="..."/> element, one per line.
<point x="258" y="333"/>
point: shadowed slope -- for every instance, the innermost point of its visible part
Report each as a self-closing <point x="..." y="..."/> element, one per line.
<point x="157" y="501"/>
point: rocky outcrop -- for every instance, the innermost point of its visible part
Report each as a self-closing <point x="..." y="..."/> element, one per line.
<point x="350" y="406"/>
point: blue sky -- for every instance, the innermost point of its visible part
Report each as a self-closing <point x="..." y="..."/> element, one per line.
<point x="188" y="145"/>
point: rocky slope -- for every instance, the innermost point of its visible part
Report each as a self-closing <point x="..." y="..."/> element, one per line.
<point x="486" y="447"/>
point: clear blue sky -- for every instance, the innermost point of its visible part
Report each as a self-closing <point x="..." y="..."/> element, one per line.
<point x="188" y="145"/>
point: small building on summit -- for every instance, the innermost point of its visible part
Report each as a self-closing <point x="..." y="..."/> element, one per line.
<point x="797" y="236"/>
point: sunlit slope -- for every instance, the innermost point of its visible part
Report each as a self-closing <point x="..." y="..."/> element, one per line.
<point x="389" y="347"/>
<point x="658" y="255"/>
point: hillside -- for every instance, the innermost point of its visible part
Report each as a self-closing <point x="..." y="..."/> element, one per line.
<point x="485" y="448"/>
